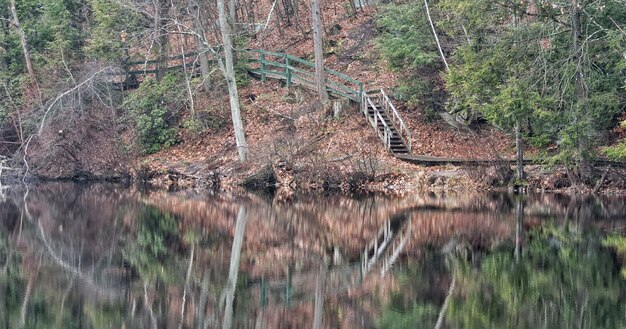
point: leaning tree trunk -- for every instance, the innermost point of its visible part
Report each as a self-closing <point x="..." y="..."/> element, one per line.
<point x="22" y="34"/>
<point x="320" y="82"/>
<point x="432" y="26"/>
<point x="229" y="74"/>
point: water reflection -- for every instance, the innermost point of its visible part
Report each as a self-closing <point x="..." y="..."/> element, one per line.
<point x="105" y="256"/>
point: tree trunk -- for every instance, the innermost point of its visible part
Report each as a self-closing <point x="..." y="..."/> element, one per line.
<point x="584" y="167"/>
<point x="201" y="46"/>
<point x="229" y="74"/>
<point x="520" y="149"/>
<point x="25" y="49"/>
<point x="319" y="51"/>
<point x="432" y="26"/>
<point x="235" y="255"/>
<point x="202" y="300"/>
<point x="232" y="14"/>
<point x="159" y="27"/>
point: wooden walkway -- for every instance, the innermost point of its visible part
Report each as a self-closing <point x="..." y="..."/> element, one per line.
<point x="375" y="105"/>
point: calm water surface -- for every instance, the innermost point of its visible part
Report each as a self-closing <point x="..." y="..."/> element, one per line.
<point x="107" y="256"/>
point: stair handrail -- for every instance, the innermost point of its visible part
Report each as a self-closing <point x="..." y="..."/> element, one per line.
<point x="405" y="133"/>
<point x="297" y="70"/>
<point x="385" y="135"/>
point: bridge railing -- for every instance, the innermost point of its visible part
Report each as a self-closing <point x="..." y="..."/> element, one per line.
<point x="150" y="67"/>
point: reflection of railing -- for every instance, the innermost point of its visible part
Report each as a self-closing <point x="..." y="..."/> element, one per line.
<point x="403" y="237"/>
<point x="299" y="287"/>
<point x="381" y="252"/>
<point x="375" y="248"/>
<point x="386" y="247"/>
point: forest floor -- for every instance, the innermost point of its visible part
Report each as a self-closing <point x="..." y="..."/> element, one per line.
<point x="289" y="130"/>
<point x="301" y="141"/>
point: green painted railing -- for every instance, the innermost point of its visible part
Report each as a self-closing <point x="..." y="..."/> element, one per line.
<point x="147" y="67"/>
<point x="265" y="64"/>
<point x="294" y="70"/>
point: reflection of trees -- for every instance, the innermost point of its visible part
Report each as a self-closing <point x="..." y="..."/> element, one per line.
<point x="563" y="280"/>
<point x="147" y="253"/>
<point x="423" y="286"/>
<point x="235" y="255"/>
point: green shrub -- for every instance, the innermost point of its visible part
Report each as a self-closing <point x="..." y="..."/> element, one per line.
<point x="149" y="107"/>
<point x="618" y="151"/>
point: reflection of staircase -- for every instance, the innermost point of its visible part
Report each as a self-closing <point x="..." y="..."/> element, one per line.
<point x="385" y="248"/>
<point x="385" y="119"/>
<point x="380" y="253"/>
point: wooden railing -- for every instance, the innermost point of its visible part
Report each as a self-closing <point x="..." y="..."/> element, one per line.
<point x="375" y="119"/>
<point x="293" y="70"/>
<point x="296" y="70"/>
<point x="379" y="97"/>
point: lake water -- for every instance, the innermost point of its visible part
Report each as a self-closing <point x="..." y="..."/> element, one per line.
<point x="110" y="256"/>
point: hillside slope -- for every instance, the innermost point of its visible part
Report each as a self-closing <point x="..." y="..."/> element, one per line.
<point x="287" y="125"/>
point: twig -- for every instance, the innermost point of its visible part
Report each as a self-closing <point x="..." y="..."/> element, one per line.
<point x="269" y="16"/>
<point x="67" y="92"/>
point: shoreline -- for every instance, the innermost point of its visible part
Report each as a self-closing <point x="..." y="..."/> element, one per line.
<point x="285" y="183"/>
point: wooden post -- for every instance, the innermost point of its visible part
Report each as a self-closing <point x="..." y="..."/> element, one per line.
<point x="262" y="57"/>
<point x="287" y="71"/>
<point x="361" y="92"/>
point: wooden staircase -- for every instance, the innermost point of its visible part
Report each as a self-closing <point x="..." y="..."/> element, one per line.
<point x="375" y="105"/>
<point x="385" y="119"/>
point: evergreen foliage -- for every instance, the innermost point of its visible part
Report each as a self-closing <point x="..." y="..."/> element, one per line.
<point x="524" y="63"/>
<point x="114" y="30"/>
<point x="407" y="45"/>
<point x="154" y="120"/>
<point x="521" y="62"/>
